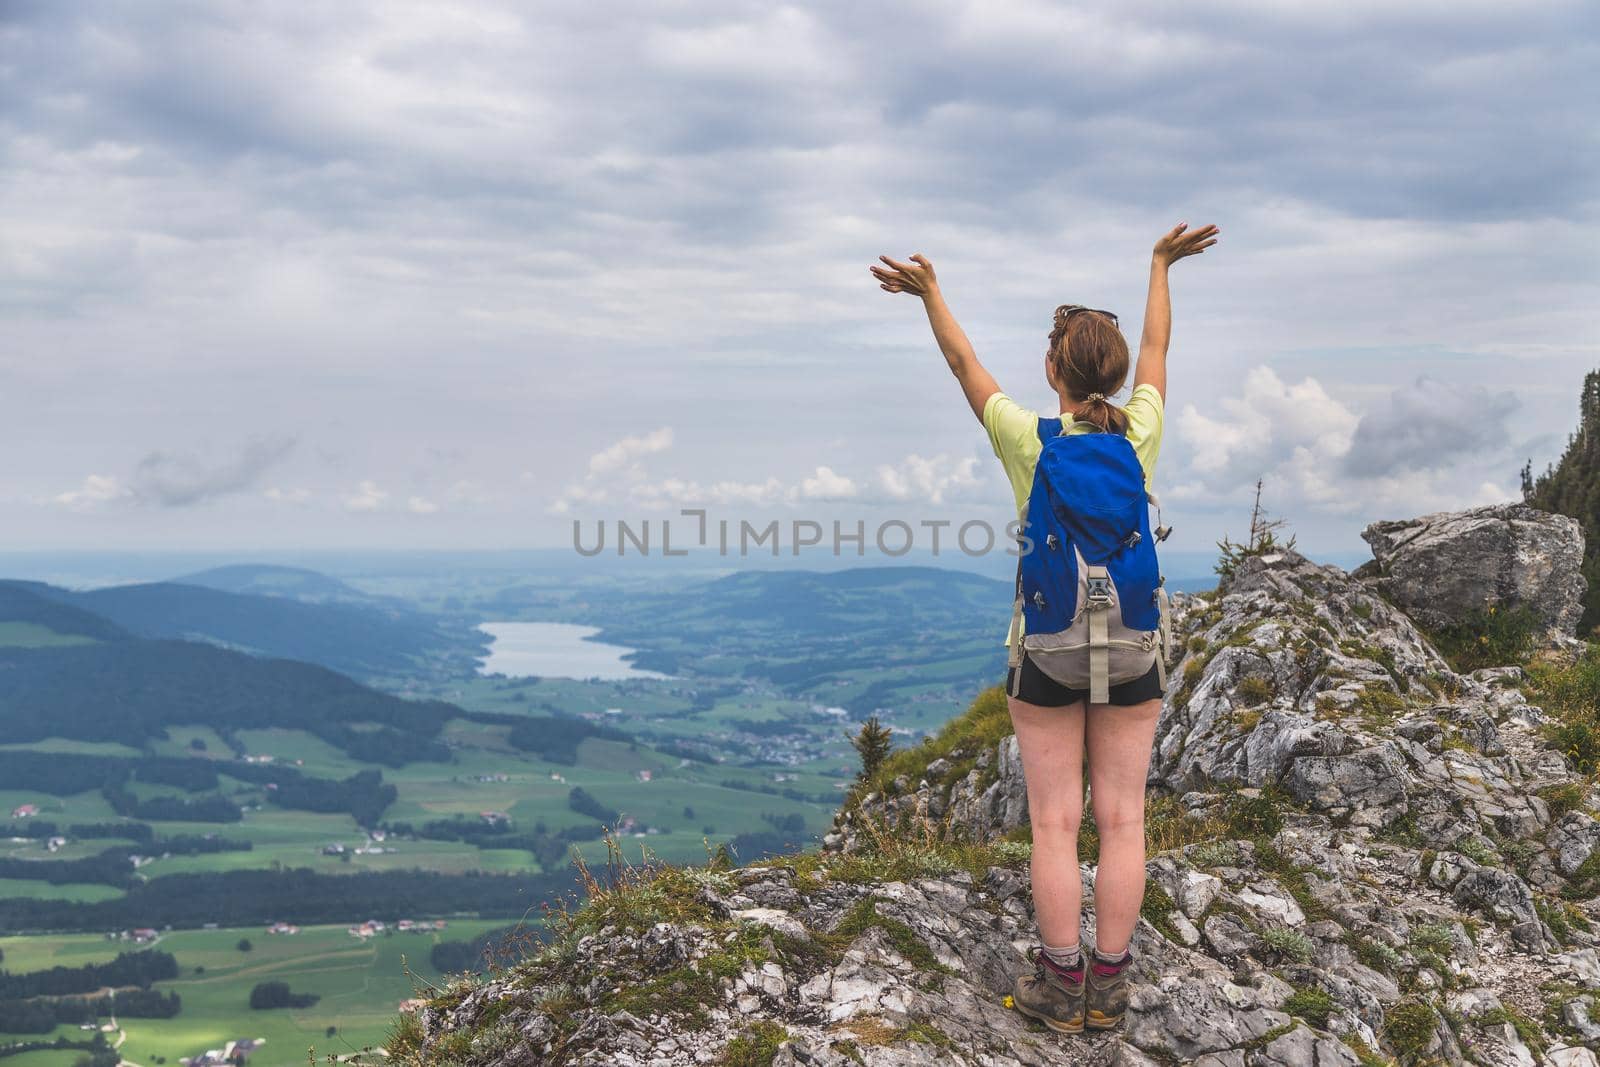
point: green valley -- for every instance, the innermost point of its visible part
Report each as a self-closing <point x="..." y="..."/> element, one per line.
<point x="190" y="761"/>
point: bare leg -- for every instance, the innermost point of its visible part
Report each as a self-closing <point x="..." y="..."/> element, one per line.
<point x="1051" y="743"/>
<point x="1119" y="741"/>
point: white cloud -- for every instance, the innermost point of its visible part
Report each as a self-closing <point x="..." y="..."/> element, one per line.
<point x="929" y="479"/>
<point x="295" y="496"/>
<point x="1315" y="454"/>
<point x="97" y="489"/>
<point x="676" y="492"/>
<point x="1262" y="424"/>
<point x="629" y="450"/>
<point x="578" y="495"/>
<point x="418" y="505"/>
<point x="368" y="496"/>
<point x="617" y="463"/>
<point x="470" y="492"/>
<point x="827" y="485"/>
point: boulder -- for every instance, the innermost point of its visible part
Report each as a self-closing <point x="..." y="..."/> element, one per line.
<point x="1302" y="1046"/>
<point x="1442" y="568"/>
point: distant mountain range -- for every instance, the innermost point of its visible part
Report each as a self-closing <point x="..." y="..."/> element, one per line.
<point x="113" y="673"/>
<point x="339" y="627"/>
<point x="296" y="583"/>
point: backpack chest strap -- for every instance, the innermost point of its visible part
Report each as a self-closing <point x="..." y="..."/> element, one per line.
<point x="1098" y="603"/>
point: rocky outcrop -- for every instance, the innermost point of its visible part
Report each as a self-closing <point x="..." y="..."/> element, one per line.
<point x="1355" y="857"/>
<point x="1443" y="568"/>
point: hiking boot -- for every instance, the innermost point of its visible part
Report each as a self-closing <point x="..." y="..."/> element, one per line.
<point x="1107" y="1000"/>
<point x="1051" y="994"/>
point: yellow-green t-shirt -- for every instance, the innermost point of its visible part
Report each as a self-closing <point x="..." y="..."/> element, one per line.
<point x="1014" y="433"/>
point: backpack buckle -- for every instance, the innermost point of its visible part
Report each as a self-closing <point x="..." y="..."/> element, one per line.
<point x="1162" y="533"/>
<point x="1099" y="592"/>
<point x="1132" y="539"/>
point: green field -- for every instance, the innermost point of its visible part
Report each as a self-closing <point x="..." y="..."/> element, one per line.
<point x="361" y="985"/>
<point x="17" y="887"/>
<point x="683" y="803"/>
<point x="32" y="635"/>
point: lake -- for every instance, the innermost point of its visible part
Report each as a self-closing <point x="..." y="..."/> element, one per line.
<point x="555" y="650"/>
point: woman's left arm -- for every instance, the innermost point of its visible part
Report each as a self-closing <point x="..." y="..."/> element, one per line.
<point x="917" y="277"/>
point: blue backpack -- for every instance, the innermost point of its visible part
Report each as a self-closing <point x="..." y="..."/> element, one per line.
<point x="1089" y="588"/>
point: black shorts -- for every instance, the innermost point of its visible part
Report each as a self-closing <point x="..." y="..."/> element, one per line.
<point x="1036" y="687"/>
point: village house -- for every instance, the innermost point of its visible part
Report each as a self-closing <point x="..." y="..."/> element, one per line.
<point x="233" y="1053"/>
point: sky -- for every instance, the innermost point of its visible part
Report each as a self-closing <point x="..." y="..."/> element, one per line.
<point x="462" y="275"/>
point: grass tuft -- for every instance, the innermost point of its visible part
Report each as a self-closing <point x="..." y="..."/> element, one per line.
<point x="1254" y="689"/>
<point x="756" y="1047"/>
<point x="1409" y="1028"/>
<point x="1313" y="1005"/>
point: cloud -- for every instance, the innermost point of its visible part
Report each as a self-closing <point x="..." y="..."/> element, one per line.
<point x="629" y="450"/>
<point x="616" y="464"/>
<point x="180" y="479"/>
<point x="577" y="495"/>
<point x="827" y="485"/>
<point x="367" y="496"/>
<point x="176" y="480"/>
<point x="676" y="492"/>
<point x="418" y="505"/>
<point x="1264" y="422"/>
<point x="1429" y="426"/>
<point x="929" y="479"/>
<point x="97" y="489"/>
<point x="1314" y="452"/>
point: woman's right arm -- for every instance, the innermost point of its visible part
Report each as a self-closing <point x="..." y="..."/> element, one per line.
<point x="917" y="277"/>
<point x="1157" y="335"/>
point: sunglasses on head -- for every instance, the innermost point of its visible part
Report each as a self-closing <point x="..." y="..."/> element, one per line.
<point x="1065" y="312"/>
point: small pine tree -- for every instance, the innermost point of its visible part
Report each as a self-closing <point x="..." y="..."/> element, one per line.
<point x="872" y="744"/>
<point x="1263" y="538"/>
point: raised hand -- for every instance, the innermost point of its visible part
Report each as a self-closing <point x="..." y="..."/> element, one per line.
<point x="1179" y="242"/>
<point x="913" y="277"/>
